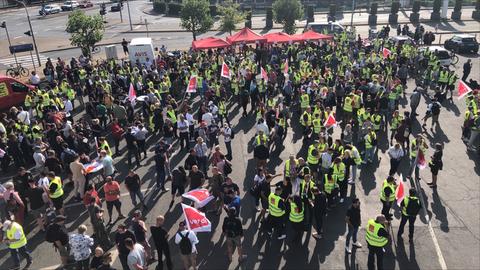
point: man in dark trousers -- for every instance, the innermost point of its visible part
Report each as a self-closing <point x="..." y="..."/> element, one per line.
<point x="160" y="239"/>
<point x="467" y="67"/>
<point x="377" y="238"/>
<point x="319" y="211"/>
<point x="410" y="207"/>
<point x="120" y="236"/>
<point x="353" y="220"/>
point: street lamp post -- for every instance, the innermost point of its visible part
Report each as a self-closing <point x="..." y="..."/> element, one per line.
<point x="129" y="16"/>
<point x="4" y="25"/>
<point x="31" y="31"/>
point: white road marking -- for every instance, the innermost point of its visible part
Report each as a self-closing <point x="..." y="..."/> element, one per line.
<point x="17" y="37"/>
<point x="441" y="259"/>
<point x="25" y="60"/>
<point x="136" y="27"/>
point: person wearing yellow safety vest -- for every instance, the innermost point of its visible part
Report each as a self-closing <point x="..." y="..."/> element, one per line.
<point x="55" y="191"/>
<point x="317" y="125"/>
<point x="410" y="207"/>
<point x="395" y="123"/>
<point x="304" y="101"/>
<point x="376" y="234"/>
<point x="306" y="121"/>
<point x="261" y="149"/>
<point x="172" y="115"/>
<point x="416" y="145"/>
<point x="348" y="107"/>
<point x="338" y="171"/>
<point x="223" y="111"/>
<point x="387" y="196"/>
<point x="443" y="78"/>
<point x="313" y="158"/>
<point x="370" y="145"/>
<point x="296" y="216"/>
<point x="276" y="213"/>
<point x="291" y="165"/>
<point x="452" y="80"/>
<point x="330" y="187"/>
<point x="103" y="145"/>
<point x="282" y="125"/>
<point x="16" y="240"/>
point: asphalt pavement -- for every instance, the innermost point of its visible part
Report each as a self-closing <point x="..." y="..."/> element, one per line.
<point x="446" y="234"/>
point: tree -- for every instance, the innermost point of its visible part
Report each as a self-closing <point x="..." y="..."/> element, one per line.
<point x="195" y="17"/>
<point x="286" y="12"/>
<point x="231" y="15"/>
<point x="86" y="30"/>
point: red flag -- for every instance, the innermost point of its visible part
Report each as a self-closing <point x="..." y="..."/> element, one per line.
<point x="386" y="52"/>
<point x="330" y="122"/>
<point x="264" y="74"/>
<point x="225" y="71"/>
<point x="421" y="161"/>
<point x="463" y="89"/>
<point x="400" y="192"/>
<point x="132" y="95"/>
<point x="285" y="68"/>
<point x="92" y="167"/>
<point x="196" y="220"/>
<point x="200" y="196"/>
<point x="192" y="85"/>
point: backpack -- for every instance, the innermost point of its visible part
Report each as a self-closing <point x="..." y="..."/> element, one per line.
<point x="69" y="156"/>
<point x="185" y="244"/>
<point x="232" y="134"/>
<point x="413" y="207"/>
<point x="435" y="108"/>
<point x="227" y="168"/>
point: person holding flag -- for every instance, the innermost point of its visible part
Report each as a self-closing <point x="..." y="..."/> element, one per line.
<point x="418" y="147"/>
<point x="387" y="196"/>
<point x="410" y="206"/>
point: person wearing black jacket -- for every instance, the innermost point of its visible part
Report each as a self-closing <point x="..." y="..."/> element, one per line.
<point x="120" y="236"/>
<point x="58" y="235"/>
<point x="132" y="147"/>
<point x="319" y="210"/>
<point x="160" y="239"/>
<point x="233" y="230"/>
<point x="410" y="207"/>
<point x="436" y="164"/>
<point x="353" y="220"/>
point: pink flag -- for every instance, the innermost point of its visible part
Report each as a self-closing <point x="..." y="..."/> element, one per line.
<point x="196" y="220"/>
<point x="463" y="89"/>
<point x="330" y="122"/>
<point x="225" y="71"/>
<point x="200" y="196"/>
<point x="400" y="192"/>
<point x="386" y="52"/>
<point x="285" y="68"/>
<point x="132" y="95"/>
<point x="192" y="85"/>
<point x="264" y="74"/>
<point x="421" y="161"/>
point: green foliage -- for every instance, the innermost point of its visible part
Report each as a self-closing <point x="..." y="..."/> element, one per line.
<point x="85" y="30"/>
<point x="374" y="9"/>
<point x="416" y="6"/>
<point x="174" y="9"/>
<point x="285" y="12"/>
<point x="437" y="4"/>
<point x="395" y="7"/>
<point x="159" y="6"/>
<point x="230" y="16"/>
<point x="269" y="18"/>
<point x="195" y="17"/>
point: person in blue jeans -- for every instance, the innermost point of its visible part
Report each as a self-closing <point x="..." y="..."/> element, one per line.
<point x="353" y="220"/>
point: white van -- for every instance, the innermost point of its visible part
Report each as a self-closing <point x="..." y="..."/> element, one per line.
<point x="442" y="54"/>
<point x="140" y="49"/>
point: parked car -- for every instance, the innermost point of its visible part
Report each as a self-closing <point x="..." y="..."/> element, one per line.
<point x="85" y="4"/>
<point x="116" y="7"/>
<point x="12" y="92"/>
<point x="442" y="54"/>
<point x="400" y="40"/>
<point x="49" y="9"/>
<point x="462" y="44"/>
<point x="325" y="28"/>
<point x="70" y="5"/>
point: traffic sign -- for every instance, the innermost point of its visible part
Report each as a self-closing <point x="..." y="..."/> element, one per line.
<point x="21" y="48"/>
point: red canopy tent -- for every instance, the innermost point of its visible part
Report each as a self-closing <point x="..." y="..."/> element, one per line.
<point x="209" y="43"/>
<point x="245" y="35"/>
<point x="279" y="37"/>
<point x="311" y="35"/>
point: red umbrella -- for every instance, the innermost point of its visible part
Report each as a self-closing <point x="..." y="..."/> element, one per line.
<point x="246" y="35"/>
<point x="209" y="43"/>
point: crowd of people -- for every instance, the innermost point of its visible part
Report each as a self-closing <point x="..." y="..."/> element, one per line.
<point x="340" y="96"/>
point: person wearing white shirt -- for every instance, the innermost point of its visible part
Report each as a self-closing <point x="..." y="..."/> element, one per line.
<point x="262" y="126"/>
<point x="207" y="118"/>
<point x="396" y="154"/>
<point x="189" y="258"/>
<point x="34" y="79"/>
<point x="23" y="116"/>
<point x="39" y="159"/>
<point x="68" y="107"/>
<point x="140" y="134"/>
<point x="326" y="159"/>
<point x="227" y="138"/>
<point x="182" y="127"/>
<point x="191" y="124"/>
